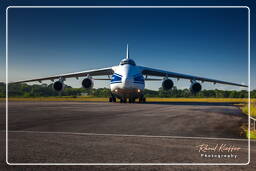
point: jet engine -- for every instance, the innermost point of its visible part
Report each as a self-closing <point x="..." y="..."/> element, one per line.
<point x="167" y="84"/>
<point x="87" y="83"/>
<point x="195" y="87"/>
<point x="58" y="86"/>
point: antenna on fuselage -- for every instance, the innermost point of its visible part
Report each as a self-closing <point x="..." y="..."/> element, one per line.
<point x="127" y="52"/>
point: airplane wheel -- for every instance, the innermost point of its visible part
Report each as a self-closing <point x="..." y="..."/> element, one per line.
<point x="140" y="100"/>
<point x="130" y="100"/>
<point x="110" y="99"/>
<point x="144" y="100"/>
<point x="133" y="100"/>
<point x="124" y="100"/>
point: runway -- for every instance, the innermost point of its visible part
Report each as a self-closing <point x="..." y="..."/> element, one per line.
<point x="101" y="132"/>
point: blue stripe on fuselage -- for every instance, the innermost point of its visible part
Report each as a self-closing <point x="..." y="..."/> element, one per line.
<point x="116" y="78"/>
<point x="117" y="75"/>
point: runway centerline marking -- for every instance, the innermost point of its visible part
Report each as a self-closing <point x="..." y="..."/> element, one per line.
<point x="130" y="135"/>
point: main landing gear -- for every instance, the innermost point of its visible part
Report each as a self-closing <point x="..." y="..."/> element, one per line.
<point x="112" y="99"/>
<point x="130" y="100"/>
<point x="142" y="99"/>
<point x="123" y="100"/>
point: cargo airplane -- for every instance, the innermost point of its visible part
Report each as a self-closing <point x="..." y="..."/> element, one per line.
<point x="127" y="80"/>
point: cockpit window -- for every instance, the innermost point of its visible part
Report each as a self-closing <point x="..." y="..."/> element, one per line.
<point x="127" y="61"/>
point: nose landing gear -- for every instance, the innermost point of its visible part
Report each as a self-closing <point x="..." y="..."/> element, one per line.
<point x="142" y="99"/>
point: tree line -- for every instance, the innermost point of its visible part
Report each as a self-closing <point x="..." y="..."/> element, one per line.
<point x="44" y="90"/>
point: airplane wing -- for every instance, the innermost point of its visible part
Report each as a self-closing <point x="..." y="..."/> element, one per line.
<point x="157" y="72"/>
<point x="95" y="72"/>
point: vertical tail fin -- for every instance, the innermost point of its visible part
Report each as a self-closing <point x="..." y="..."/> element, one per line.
<point x="127" y="52"/>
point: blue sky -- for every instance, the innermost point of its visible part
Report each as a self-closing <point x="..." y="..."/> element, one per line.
<point x="204" y="42"/>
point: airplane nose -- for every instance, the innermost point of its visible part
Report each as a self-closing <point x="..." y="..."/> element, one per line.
<point x="127" y="82"/>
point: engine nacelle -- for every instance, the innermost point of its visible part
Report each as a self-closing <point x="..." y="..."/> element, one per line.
<point x="87" y="83"/>
<point x="195" y="87"/>
<point x="167" y="84"/>
<point x="58" y="86"/>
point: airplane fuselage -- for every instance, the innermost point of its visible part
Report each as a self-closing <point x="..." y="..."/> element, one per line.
<point x="127" y="81"/>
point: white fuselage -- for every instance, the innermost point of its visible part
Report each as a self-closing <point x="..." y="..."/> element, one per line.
<point x="127" y="81"/>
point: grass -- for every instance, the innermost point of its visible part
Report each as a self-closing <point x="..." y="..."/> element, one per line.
<point x="221" y="100"/>
<point x="244" y="109"/>
<point x="56" y="99"/>
<point x="252" y="109"/>
<point x="252" y="132"/>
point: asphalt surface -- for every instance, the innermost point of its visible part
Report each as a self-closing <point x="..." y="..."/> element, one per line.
<point x="99" y="132"/>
